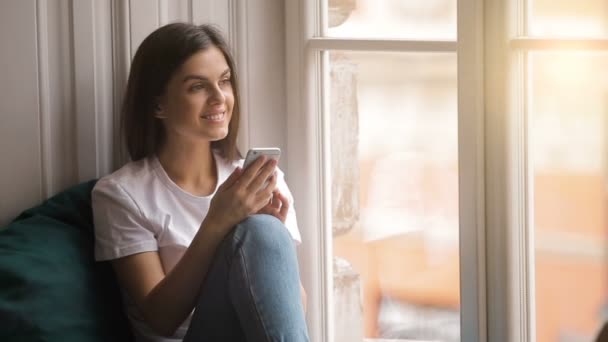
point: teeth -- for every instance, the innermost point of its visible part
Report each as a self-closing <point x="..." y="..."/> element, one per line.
<point x="214" y="117"/>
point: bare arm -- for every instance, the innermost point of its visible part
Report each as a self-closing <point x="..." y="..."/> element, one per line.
<point x="166" y="300"/>
<point x="154" y="292"/>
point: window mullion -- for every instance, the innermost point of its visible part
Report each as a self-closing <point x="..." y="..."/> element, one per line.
<point x="471" y="171"/>
<point x="529" y="200"/>
<point x="303" y="168"/>
<point x="325" y="204"/>
<point x="356" y="44"/>
<point x="530" y="43"/>
<point x="509" y="237"/>
<point x="503" y="177"/>
<point x="521" y="266"/>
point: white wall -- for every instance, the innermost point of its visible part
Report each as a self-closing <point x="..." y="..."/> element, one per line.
<point x="21" y="182"/>
<point x="64" y="65"/>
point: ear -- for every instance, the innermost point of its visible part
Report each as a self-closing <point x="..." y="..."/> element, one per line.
<point x="159" y="109"/>
<point x="158" y="113"/>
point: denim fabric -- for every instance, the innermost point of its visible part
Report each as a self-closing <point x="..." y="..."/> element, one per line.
<point x="252" y="290"/>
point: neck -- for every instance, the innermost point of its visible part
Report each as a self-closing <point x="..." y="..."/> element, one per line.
<point x="190" y="165"/>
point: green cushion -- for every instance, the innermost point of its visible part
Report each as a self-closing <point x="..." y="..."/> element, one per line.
<point x="51" y="289"/>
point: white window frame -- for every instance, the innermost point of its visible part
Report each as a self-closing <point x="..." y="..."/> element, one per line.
<point x="308" y="158"/>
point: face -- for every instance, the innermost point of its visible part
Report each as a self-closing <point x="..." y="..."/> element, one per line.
<point x="198" y="102"/>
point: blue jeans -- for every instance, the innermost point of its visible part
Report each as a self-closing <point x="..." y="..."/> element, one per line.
<point x="252" y="289"/>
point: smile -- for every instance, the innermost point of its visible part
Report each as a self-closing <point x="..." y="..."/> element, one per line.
<point x="215" y="117"/>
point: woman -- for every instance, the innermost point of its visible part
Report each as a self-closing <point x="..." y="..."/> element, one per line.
<point x="201" y="249"/>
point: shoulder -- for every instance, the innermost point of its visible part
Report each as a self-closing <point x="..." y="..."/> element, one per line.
<point x="132" y="179"/>
<point x="131" y="170"/>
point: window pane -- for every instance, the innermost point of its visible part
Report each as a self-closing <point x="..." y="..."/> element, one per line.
<point x="395" y="195"/>
<point x="569" y="146"/>
<point x="405" y="19"/>
<point x="569" y="18"/>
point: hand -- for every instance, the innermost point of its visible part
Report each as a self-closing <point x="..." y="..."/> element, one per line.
<point x="242" y="194"/>
<point x="277" y="207"/>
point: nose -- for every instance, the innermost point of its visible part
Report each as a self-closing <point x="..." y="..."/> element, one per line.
<point x="217" y="95"/>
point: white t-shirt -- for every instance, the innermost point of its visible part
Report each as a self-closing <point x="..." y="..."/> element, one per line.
<point x="140" y="209"/>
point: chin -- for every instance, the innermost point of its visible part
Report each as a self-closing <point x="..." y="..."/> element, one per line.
<point x="216" y="136"/>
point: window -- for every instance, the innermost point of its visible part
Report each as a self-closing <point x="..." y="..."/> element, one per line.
<point x="450" y="159"/>
<point x="380" y="116"/>
<point x="394" y="183"/>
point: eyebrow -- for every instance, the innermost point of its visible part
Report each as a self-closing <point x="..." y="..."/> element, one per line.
<point x="203" y="78"/>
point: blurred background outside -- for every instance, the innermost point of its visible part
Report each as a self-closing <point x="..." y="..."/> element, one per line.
<point x="394" y="126"/>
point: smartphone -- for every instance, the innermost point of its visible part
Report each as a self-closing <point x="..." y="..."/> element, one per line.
<point x="254" y="153"/>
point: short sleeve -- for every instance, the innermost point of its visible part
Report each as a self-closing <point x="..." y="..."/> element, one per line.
<point x="291" y="221"/>
<point x="120" y="227"/>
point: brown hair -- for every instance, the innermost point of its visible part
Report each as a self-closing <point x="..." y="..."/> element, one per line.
<point x="156" y="59"/>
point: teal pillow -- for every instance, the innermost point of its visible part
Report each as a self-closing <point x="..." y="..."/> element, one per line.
<point x="51" y="289"/>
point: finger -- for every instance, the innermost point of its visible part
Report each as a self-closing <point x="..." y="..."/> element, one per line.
<point x="272" y="183"/>
<point x="252" y="170"/>
<point x="256" y="184"/>
<point x="266" y="194"/>
<point x="265" y="205"/>
<point x="276" y="201"/>
<point x="266" y="210"/>
<point x="232" y="179"/>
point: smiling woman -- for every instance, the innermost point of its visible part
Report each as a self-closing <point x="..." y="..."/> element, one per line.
<point x="163" y="77"/>
<point x="203" y="249"/>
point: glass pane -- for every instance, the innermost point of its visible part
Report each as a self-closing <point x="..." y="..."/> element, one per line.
<point x="568" y="18"/>
<point x="394" y="19"/>
<point x="569" y="146"/>
<point x="395" y="195"/>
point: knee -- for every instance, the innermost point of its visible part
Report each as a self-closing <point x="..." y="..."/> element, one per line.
<point x="263" y="231"/>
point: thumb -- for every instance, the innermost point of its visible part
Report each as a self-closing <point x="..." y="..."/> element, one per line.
<point x="232" y="179"/>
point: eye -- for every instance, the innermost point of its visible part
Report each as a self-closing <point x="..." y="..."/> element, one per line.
<point x="197" y="86"/>
<point x="225" y="81"/>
